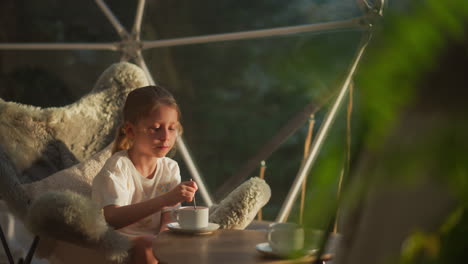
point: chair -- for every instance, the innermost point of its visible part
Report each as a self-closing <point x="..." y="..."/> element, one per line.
<point x="37" y="148"/>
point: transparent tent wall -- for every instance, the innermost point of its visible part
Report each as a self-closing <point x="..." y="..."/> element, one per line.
<point x="234" y="95"/>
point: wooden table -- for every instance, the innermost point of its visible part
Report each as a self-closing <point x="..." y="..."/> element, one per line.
<point x="223" y="246"/>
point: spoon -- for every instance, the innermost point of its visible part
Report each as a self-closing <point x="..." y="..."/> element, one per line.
<point x="194" y="201"/>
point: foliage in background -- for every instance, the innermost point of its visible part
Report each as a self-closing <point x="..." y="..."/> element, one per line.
<point x="406" y="72"/>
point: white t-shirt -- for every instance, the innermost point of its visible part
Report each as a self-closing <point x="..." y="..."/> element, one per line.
<point x="119" y="183"/>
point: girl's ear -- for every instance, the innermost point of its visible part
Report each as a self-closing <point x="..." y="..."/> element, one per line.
<point x="129" y="130"/>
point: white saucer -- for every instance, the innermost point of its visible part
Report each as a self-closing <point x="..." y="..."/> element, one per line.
<point x="174" y="226"/>
<point x="266" y="249"/>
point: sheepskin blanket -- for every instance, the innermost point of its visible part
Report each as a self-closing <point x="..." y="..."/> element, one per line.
<point x="42" y="141"/>
<point x="38" y="144"/>
<point x="77" y="178"/>
<point x="74" y="218"/>
<point x="239" y="208"/>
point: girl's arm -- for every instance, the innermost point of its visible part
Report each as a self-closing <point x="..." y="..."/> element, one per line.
<point x="165" y="219"/>
<point x="122" y="216"/>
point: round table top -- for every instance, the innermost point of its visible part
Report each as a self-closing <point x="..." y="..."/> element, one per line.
<point x="222" y="246"/>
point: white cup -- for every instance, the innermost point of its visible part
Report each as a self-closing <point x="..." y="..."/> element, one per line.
<point x="285" y="238"/>
<point x="190" y="218"/>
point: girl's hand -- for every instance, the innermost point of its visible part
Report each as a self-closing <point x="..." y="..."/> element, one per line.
<point x="182" y="192"/>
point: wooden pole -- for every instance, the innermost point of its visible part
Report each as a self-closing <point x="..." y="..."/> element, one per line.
<point x="307" y="142"/>
<point x="348" y="153"/>
<point x="262" y="176"/>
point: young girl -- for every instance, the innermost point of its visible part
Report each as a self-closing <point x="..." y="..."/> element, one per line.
<point x="139" y="186"/>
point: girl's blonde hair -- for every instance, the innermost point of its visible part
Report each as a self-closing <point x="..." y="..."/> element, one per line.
<point x="139" y="104"/>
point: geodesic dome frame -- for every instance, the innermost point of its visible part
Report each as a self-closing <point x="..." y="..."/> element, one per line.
<point x="130" y="46"/>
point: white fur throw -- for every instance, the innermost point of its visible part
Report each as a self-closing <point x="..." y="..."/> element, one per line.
<point x="42" y="141"/>
<point x="239" y="208"/>
<point x="77" y="178"/>
<point x="75" y="218"/>
<point x="38" y="144"/>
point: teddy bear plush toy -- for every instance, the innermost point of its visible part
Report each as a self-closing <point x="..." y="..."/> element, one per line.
<point x="49" y="157"/>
